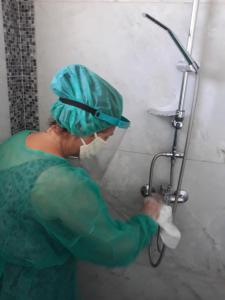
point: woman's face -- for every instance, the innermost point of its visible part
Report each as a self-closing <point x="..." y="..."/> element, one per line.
<point x="104" y="134"/>
<point x="73" y="143"/>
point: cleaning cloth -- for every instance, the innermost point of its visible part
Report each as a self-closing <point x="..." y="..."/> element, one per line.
<point x="169" y="233"/>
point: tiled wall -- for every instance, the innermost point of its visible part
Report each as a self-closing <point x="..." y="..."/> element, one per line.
<point x="18" y="22"/>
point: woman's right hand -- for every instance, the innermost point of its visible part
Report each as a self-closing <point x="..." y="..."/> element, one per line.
<point x="152" y="205"/>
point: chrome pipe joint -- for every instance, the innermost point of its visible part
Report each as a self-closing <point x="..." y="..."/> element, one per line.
<point x="177" y="122"/>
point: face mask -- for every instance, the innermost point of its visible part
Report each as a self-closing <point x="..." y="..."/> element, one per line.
<point x="90" y="150"/>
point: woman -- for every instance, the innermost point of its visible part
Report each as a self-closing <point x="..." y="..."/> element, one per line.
<point x="52" y="213"/>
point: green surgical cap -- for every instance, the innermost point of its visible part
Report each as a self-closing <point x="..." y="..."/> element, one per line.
<point x="76" y="82"/>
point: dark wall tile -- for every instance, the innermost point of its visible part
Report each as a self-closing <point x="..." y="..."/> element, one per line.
<point x="19" y="36"/>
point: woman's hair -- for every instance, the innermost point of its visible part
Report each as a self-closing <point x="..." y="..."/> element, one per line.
<point x="52" y="122"/>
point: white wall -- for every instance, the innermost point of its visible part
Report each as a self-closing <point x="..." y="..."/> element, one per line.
<point x="113" y="39"/>
<point x="4" y="104"/>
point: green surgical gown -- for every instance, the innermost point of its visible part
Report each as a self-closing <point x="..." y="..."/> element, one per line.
<point x="51" y="215"/>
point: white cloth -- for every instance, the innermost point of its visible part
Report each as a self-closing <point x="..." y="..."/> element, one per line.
<point x="169" y="233"/>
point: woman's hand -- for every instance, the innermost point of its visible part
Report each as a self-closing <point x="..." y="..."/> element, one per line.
<point x="152" y="205"/>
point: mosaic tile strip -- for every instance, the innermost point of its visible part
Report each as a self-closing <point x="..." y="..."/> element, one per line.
<point x="19" y="35"/>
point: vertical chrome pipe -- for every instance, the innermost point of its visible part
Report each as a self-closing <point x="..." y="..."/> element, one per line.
<point x="189" y="49"/>
<point x="183" y="95"/>
<point x="193" y="25"/>
<point x="187" y="143"/>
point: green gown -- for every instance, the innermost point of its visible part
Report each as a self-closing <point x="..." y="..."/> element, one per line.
<point x="51" y="215"/>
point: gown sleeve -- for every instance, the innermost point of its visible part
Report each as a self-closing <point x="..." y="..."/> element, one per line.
<point x="70" y="206"/>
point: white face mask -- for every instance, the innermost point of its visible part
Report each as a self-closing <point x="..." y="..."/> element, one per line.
<point x="90" y="150"/>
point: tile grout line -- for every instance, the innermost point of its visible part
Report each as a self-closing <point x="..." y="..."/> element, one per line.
<point x="189" y="159"/>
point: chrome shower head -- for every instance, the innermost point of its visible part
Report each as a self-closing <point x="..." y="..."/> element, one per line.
<point x="181" y="48"/>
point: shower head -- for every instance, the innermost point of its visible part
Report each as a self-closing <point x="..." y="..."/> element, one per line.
<point x="184" y="52"/>
<point x="155" y="21"/>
